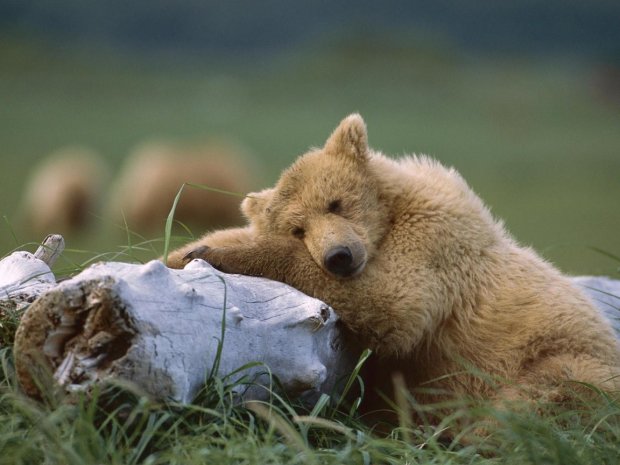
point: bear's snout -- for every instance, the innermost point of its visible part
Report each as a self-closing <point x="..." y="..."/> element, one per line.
<point x="339" y="261"/>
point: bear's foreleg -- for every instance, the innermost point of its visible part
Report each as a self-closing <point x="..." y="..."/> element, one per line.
<point x="222" y="238"/>
<point x="285" y="260"/>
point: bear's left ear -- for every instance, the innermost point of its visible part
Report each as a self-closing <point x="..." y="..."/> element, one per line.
<point x="350" y="138"/>
<point x="255" y="203"/>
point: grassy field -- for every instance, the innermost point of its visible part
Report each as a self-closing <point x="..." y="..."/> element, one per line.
<point x="536" y="139"/>
<point x="117" y="426"/>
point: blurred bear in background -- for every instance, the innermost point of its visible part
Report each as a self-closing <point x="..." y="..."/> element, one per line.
<point x="153" y="173"/>
<point x="64" y="192"/>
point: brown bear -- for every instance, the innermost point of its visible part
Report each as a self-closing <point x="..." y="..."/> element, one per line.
<point x="64" y="192"/>
<point x="152" y="175"/>
<point x="420" y="271"/>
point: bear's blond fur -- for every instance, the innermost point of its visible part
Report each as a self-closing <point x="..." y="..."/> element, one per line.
<point x="418" y="268"/>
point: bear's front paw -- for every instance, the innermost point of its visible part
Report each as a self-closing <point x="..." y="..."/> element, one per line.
<point x="214" y="256"/>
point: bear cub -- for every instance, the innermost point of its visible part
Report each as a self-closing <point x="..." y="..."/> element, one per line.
<point x="419" y="270"/>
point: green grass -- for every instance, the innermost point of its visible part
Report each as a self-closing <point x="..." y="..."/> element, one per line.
<point x="536" y="139"/>
<point x="114" y="425"/>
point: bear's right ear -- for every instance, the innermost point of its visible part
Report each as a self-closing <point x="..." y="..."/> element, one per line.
<point x="349" y="138"/>
<point x="255" y="203"/>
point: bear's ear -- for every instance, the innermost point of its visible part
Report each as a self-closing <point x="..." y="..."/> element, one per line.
<point x="350" y="138"/>
<point x="255" y="203"/>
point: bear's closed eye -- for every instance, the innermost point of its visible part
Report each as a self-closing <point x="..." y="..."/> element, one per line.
<point x="335" y="206"/>
<point x="299" y="233"/>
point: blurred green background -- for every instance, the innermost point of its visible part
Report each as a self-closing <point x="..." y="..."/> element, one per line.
<point x="522" y="97"/>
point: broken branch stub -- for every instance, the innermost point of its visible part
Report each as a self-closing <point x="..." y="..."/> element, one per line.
<point x="50" y="249"/>
<point x="163" y="330"/>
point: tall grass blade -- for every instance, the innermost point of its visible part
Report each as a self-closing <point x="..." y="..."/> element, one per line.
<point x="169" y="221"/>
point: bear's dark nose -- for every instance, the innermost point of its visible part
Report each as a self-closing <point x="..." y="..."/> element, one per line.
<point x="339" y="261"/>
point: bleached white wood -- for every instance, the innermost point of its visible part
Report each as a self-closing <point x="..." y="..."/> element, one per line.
<point x="160" y="328"/>
<point x="24" y="276"/>
<point x="605" y="293"/>
<point x="51" y="248"/>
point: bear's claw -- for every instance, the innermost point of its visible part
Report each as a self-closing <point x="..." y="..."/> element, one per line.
<point x="198" y="252"/>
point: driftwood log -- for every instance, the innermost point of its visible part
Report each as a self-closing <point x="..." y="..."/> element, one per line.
<point x="167" y="330"/>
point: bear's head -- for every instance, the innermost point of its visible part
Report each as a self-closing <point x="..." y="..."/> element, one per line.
<point x="329" y="200"/>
